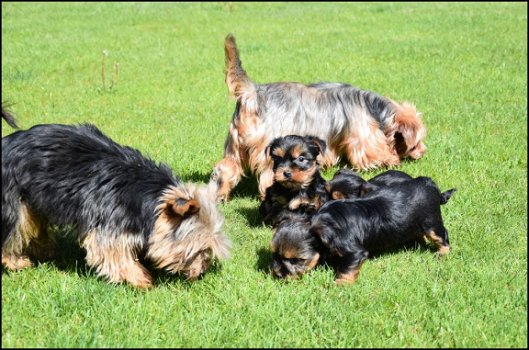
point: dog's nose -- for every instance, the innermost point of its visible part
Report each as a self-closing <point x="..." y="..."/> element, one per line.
<point x="287" y="174"/>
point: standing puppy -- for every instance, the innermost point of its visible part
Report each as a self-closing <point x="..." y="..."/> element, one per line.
<point x="368" y="129"/>
<point x="383" y="219"/>
<point x="123" y="207"/>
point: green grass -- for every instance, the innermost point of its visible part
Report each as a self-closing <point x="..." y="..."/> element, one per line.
<point x="465" y="67"/>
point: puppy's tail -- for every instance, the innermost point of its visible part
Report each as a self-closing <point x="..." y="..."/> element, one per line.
<point x="8" y="117"/>
<point x="445" y="196"/>
<point x="239" y="84"/>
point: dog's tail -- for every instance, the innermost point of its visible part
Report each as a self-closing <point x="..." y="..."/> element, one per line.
<point x="239" y="84"/>
<point x="8" y="117"/>
<point x="445" y="196"/>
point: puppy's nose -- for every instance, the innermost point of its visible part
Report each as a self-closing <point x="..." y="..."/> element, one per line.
<point x="287" y="174"/>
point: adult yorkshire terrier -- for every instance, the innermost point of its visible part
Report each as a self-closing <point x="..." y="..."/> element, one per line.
<point x="297" y="183"/>
<point x="123" y="207"/>
<point x="381" y="220"/>
<point x="368" y="129"/>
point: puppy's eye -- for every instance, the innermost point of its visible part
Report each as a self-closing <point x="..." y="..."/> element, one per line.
<point x="301" y="159"/>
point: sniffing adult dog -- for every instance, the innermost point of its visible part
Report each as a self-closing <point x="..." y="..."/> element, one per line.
<point x="124" y="208"/>
<point x="368" y="129"/>
<point x="383" y="219"/>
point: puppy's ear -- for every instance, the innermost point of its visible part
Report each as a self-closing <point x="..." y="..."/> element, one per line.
<point x="272" y="146"/>
<point x="337" y="195"/>
<point x="324" y="236"/>
<point x="366" y="187"/>
<point x="182" y="207"/>
<point x="319" y="145"/>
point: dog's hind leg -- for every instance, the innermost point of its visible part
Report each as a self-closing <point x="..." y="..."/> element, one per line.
<point x="28" y="229"/>
<point x="114" y="257"/>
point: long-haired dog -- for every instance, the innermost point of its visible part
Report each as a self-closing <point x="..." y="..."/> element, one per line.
<point x="122" y="207"/>
<point x="384" y="219"/>
<point x="348" y="184"/>
<point x="297" y="183"/>
<point x="368" y="129"/>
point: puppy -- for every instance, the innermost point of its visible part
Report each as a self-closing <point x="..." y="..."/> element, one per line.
<point x="294" y="249"/>
<point x="298" y="185"/>
<point x="347" y="184"/>
<point x="123" y="207"/>
<point x="383" y="219"/>
<point x="368" y="129"/>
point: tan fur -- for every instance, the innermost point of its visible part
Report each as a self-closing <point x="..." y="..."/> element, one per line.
<point x="349" y="277"/>
<point x="438" y="241"/>
<point x="116" y="258"/>
<point x="30" y="234"/>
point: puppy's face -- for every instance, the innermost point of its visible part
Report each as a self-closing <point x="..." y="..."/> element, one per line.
<point x="293" y="249"/>
<point x="294" y="160"/>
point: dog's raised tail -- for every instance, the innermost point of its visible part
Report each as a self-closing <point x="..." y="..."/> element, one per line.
<point x="239" y="85"/>
<point x="445" y="196"/>
<point x="8" y="117"/>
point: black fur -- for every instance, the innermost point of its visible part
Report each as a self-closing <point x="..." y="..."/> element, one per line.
<point x="75" y="175"/>
<point x="347" y="184"/>
<point x="381" y="220"/>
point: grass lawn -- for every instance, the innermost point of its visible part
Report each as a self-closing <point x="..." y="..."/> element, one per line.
<point x="463" y="64"/>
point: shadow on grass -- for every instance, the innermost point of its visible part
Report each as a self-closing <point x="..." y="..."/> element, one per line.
<point x="70" y="257"/>
<point x="264" y="259"/>
<point x="247" y="187"/>
<point x="197" y="177"/>
<point x="252" y="216"/>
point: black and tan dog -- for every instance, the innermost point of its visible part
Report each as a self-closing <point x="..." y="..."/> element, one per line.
<point x="124" y="208"/>
<point x="294" y="249"/>
<point x="348" y="184"/>
<point x="361" y="126"/>
<point x="298" y="185"/>
<point x="383" y="219"/>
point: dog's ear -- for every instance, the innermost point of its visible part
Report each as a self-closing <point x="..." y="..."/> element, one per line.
<point x="272" y="146"/>
<point x="367" y="187"/>
<point x="337" y="195"/>
<point x="318" y="145"/>
<point x="324" y="236"/>
<point x="182" y="207"/>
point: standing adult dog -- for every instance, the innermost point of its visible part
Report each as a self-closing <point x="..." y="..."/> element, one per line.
<point x="370" y="130"/>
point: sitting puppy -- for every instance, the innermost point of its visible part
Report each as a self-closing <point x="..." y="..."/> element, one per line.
<point x="298" y="185"/>
<point x="347" y="184"/>
<point x="123" y="207"/>
<point x="382" y="220"/>
<point x="294" y="249"/>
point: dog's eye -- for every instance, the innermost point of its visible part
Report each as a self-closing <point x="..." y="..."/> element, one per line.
<point x="301" y="159"/>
